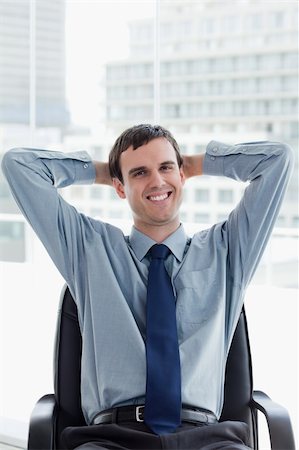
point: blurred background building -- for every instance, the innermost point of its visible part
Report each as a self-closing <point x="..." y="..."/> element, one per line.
<point x="32" y="89"/>
<point x="226" y="73"/>
<point x="19" y="48"/>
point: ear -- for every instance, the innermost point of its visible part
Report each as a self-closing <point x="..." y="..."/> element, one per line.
<point x="183" y="176"/>
<point x="119" y="187"/>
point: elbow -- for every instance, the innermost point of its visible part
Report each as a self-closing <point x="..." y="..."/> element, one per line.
<point x="8" y="161"/>
<point x="288" y="157"/>
<point x="285" y="156"/>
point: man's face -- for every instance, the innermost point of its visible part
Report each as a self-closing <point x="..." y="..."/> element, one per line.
<point x="152" y="184"/>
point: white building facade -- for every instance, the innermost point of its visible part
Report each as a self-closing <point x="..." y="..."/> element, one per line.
<point x="228" y="71"/>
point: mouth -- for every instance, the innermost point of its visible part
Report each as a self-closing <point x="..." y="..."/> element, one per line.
<point x="161" y="197"/>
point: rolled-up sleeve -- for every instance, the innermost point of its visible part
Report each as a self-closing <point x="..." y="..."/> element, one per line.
<point x="34" y="177"/>
<point x="267" y="167"/>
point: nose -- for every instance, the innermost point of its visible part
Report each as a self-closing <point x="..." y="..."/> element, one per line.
<point x="156" y="179"/>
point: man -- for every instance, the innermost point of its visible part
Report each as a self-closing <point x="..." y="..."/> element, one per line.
<point x="108" y="275"/>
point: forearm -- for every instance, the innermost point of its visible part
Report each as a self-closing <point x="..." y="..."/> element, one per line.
<point x="248" y="161"/>
<point x="267" y="167"/>
<point x="102" y="173"/>
<point x="34" y="176"/>
<point x="55" y="169"/>
<point x="193" y="165"/>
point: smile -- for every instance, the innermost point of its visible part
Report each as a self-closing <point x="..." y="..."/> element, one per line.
<point x="159" y="198"/>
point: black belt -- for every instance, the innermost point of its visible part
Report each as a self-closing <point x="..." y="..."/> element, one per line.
<point x="135" y="414"/>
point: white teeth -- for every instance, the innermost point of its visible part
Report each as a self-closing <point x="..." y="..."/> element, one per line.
<point x="158" y="198"/>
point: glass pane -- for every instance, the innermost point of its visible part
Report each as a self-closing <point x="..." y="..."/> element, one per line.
<point x="51" y="105"/>
<point x="14" y="66"/>
<point x="218" y="91"/>
<point x="69" y="80"/>
<point x="12" y="241"/>
<point x="110" y="86"/>
<point x="226" y="79"/>
<point x="14" y="111"/>
<point x="202" y="195"/>
<point x="225" y="196"/>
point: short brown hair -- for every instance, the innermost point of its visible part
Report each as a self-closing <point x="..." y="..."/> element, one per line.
<point x="137" y="136"/>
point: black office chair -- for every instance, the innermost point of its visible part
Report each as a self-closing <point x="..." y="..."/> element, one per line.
<point x="54" y="412"/>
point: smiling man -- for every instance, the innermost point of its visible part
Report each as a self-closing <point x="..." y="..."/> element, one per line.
<point x="148" y="310"/>
<point x="152" y="184"/>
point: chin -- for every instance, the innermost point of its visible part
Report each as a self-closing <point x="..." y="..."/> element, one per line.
<point x="165" y="220"/>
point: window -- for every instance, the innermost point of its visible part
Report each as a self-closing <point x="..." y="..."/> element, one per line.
<point x="97" y="212"/>
<point x="96" y="193"/>
<point x="225" y="196"/>
<point x="276" y="19"/>
<point x="221" y="217"/>
<point x="64" y="90"/>
<point x="202" y="195"/>
<point x="12" y="241"/>
<point x="77" y="193"/>
<point x="295" y="221"/>
<point x="202" y="218"/>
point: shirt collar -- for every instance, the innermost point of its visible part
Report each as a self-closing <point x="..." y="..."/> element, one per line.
<point x="141" y="243"/>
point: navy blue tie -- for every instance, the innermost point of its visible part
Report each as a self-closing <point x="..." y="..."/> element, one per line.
<point x="163" y="383"/>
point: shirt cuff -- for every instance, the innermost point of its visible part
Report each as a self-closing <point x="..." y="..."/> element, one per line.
<point x="75" y="166"/>
<point x="85" y="172"/>
<point x="213" y="163"/>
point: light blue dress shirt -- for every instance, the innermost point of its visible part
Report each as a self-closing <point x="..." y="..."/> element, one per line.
<point x="107" y="271"/>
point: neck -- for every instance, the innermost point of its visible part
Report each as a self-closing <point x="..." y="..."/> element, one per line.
<point x="159" y="232"/>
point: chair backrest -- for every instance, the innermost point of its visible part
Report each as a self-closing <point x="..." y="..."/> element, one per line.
<point x="67" y="370"/>
<point x="238" y="387"/>
<point x="67" y="366"/>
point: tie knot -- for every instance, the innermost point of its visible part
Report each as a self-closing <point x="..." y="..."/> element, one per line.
<point x="159" y="251"/>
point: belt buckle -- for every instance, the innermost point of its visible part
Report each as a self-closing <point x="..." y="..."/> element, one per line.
<point x="203" y="417"/>
<point x="139" y="413"/>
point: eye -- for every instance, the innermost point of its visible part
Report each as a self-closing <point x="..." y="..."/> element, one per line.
<point x="139" y="173"/>
<point x="166" y="167"/>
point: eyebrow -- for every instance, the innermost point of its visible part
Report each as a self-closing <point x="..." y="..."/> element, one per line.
<point x="137" y="169"/>
<point x="172" y="163"/>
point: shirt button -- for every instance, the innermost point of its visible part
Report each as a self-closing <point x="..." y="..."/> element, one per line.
<point x="215" y="149"/>
<point x="213" y="158"/>
<point x="85" y="166"/>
